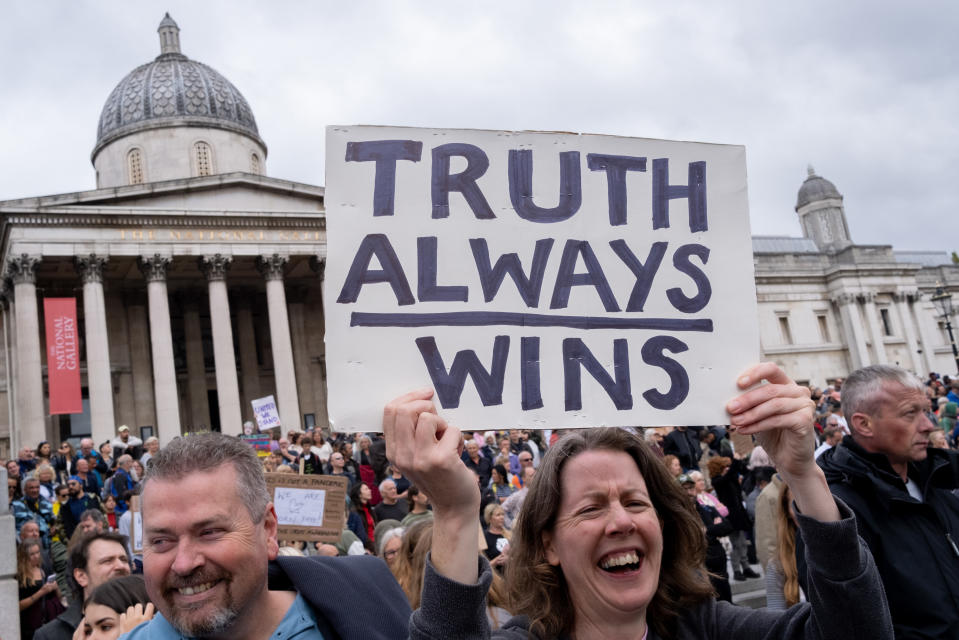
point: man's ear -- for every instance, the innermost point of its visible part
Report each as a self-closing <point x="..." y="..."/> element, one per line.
<point x="81" y="577"/>
<point x="271" y="527"/>
<point x="549" y="549"/>
<point x="862" y="425"/>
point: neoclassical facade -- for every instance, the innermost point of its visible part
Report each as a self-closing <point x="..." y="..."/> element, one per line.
<point x="198" y="277"/>
<point x="828" y="306"/>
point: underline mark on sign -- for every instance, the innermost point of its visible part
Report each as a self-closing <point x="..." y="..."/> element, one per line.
<point x="493" y="318"/>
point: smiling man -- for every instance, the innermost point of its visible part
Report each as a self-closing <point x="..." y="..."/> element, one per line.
<point x="210" y="558"/>
<point x="901" y="492"/>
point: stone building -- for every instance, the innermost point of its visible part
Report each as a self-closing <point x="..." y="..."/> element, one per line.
<point x="198" y="277"/>
<point x="828" y="306"/>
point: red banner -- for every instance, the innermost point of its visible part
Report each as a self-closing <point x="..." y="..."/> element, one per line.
<point x="63" y="355"/>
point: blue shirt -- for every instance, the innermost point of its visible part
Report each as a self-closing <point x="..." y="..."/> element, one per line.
<point x="299" y="623"/>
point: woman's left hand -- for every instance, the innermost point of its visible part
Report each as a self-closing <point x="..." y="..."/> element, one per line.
<point x="779" y="414"/>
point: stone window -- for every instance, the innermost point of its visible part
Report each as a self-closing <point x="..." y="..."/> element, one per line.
<point x="203" y="159"/>
<point x="886" y="322"/>
<point x="787" y="335"/>
<point x="135" y="166"/>
<point x="823" y="327"/>
<point x="254" y="164"/>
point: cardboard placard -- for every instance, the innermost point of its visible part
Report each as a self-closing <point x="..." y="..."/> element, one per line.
<point x="136" y="525"/>
<point x="310" y="507"/>
<point x="536" y="279"/>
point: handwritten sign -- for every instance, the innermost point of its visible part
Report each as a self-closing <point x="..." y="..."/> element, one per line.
<point x="308" y="507"/>
<point x="260" y="444"/>
<point x="536" y="279"/>
<point x="266" y="412"/>
<point x="136" y="525"/>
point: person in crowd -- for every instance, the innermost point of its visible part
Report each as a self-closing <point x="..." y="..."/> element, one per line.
<point x="27" y="461"/>
<point x="13" y="470"/>
<point x="125" y="442"/>
<point x="88" y="476"/>
<point x="87" y="449"/>
<point x="715" y="527"/>
<point x="388" y="538"/>
<point x="33" y="507"/>
<point x="44" y="453"/>
<point x="337" y="467"/>
<point x="506" y="457"/>
<point x="525" y="462"/>
<point x="703" y="496"/>
<point x="410" y="562"/>
<point x="938" y="440"/>
<point x="726" y="483"/>
<point x="13" y="490"/>
<point x="106" y="462"/>
<point x="476" y="461"/>
<point x="391" y="507"/>
<point x="514" y="504"/>
<point x="95" y="557"/>
<point x="151" y="446"/>
<point x="309" y="462"/>
<point x="683" y="443"/>
<point x="499" y="483"/>
<point x="116" y="607"/>
<point x="497" y="536"/>
<point x="831" y="436"/>
<point x="419" y="507"/>
<point x="360" y="515"/>
<point x="616" y="548"/>
<point x="673" y="465"/>
<point x="362" y="454"/>
<point x="64" y="460"/>
<point x="79" y="503"/>
<point x="901" y="492"/>
<point x="123" y="482"/>
<point x="654" y="439"/>
<point x="39" y="597"/>
<point x="288" y="456"/>
<point x="402" y="484"/>
<point x="207" y="492"/>
<point x="31" y="531"/>
<point x="517" y="444"/>
<point x="782" y="573"/>
<point x="47" y="477"/>
<point x="110" y="511"/>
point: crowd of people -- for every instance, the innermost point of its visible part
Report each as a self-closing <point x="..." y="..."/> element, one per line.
<point x="541" y="534"/>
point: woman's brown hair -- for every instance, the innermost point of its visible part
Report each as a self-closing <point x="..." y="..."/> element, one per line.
<point x="410" y="561"/>
<point x="787" y="548"/>
<point x="538" y="590"/>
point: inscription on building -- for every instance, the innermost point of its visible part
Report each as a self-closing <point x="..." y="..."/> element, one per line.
<point x="214" y="235"/>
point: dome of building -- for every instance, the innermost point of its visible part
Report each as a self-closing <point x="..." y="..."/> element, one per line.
<point x="173" y="91"/>
<point x="815" y="188"/>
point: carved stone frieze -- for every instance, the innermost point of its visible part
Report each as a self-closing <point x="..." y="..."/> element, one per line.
<point x="90" y="267"/>
<point x="215" y="267"/>
<point x="153" y="267"/>
<point x="22" y="269"/>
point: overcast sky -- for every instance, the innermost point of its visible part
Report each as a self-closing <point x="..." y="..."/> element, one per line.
<point x="866" y="92"/>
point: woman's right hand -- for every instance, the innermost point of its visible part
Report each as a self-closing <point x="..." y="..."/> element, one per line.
<point x="427" y="451"/>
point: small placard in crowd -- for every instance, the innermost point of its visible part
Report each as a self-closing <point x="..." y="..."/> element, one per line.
<point x="311" y="508"/>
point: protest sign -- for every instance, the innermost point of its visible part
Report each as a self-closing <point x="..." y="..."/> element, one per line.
<point x="536" y="279"/>
<point x="259" y="442"/>
<point x="136" y="525"/>
<point x="308" y="507"/>
<point x="266" y="412"/>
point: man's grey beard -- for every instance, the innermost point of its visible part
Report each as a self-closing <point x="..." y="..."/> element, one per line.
<point x="214" y="625"/>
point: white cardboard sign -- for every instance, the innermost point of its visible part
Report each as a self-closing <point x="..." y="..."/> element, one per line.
<point x="266" y="412"/>
<point x="536" y="279"/>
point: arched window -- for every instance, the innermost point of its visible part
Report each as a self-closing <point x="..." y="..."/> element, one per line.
<point x="203" y="159"/>
<point x="135" y="166"/>
<point x="254" y="164"/>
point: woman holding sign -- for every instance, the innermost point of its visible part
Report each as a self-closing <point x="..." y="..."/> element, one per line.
<point x="607" y="546"/>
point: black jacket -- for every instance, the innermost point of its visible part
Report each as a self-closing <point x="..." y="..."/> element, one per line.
<point x="63" y="626"/>
<point x="914" y="543"/>
<point x="685" y="446"/>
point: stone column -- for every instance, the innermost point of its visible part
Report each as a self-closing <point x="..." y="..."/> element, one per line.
<point x="99" y="379"/>
<point x="227" y="386"/>
<point x="852" y="328"/>
<point x="301" y="351"/>
<point x="902" y="300"/>
<point x="30" y="413"/>
<point x="318" y="264"/>
<point x="199" y="411"/>
<point x="138" y="328"/>
<point x="872" y="318"/>
<point x="926" y="339"/>
<point x="249" y="366"/>
<point x="165" y="395"/>
<point x="283" y="369"/>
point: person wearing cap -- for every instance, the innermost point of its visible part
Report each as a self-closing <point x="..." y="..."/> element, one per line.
<point x="78" y="502"/>
<point x="124" y="440"/>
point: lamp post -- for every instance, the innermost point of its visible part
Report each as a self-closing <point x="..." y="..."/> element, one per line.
<point x="943" y="304"/>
